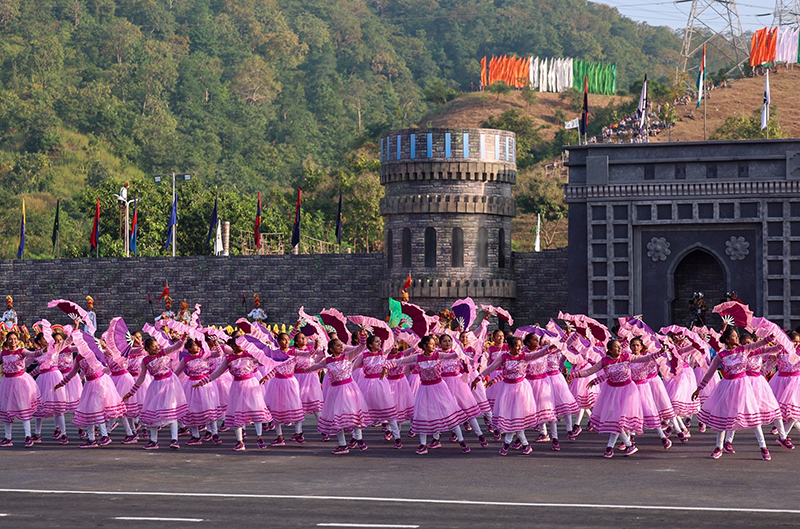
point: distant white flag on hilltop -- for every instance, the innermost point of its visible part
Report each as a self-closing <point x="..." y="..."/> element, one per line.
<point x="218" y="240"/>
<point x="642" y="109"/>
<point x="573" y="124"/>
<point x="765" y="106"/>
<point x="537" y="245"/>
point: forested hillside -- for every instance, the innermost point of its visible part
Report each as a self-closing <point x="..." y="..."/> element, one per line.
<point x="249" y="96"/>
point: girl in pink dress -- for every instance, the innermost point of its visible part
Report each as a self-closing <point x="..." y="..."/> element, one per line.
<point x="224" y="381"/>
<point x="497" y="348"/>
<point x="100" y="401"/>
<point x="435" y="409"/>
<point x="282" y="395"/>
<point x="786" y="385"/>
<point x="515" y="409"/>
<point x="455" y="374"/>
<point x="19" y="395"/>
<point x="123" y="381"/>
<point x="165" y="402"/>
<point x="398" y="383"/>
<point x="310" y="386"/>
<point x="680" y="386"/>
<point x="584" y="393"/>
<point x="345" y="406"/>
<point x="656" y="405"/>
<point x="564" y="402"/>
<point x="618" y="410"/>
<point x="732" y="406"/>
<point x="246" y="399"/>
<point x="381" y="404"/>
<point x="53" y="403"/>
<point x="467" y="340"/>
<point x="135" y="356"/>
<point x="203" y="401"/>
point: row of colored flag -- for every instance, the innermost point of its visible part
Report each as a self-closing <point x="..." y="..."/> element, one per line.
<point x="549" y="74"/>
<point x="214" y="226"/>
<point x="776" y="45"/>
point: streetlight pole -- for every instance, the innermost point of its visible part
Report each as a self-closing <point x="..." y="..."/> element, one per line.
<point x="122" y="198"/>
<point x="157" y="178"/>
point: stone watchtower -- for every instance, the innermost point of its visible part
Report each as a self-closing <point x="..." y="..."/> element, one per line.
<point x="447" y="214"/>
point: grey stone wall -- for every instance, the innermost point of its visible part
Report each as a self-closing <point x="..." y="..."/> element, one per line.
<point x="542" y="286"/>
<point x="120" y="286"/>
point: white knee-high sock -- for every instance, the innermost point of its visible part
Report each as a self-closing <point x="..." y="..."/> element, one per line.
<point x="661" y="433"/>
<point x="475" y="428"/>
<point x="521" y="435"/>
<point x="298" y="427"/>
<point x="357" y="434"/>
<point x="395" y="429"/>
<point x="782" y="432"/>
<point x="580" y="416"/>
<point x="720" y="438"/>
<point x="7" y="427"/>
<point x="61" y="423"/>
<point x="278" y="429"/>
<point x="90" y="432"/>
<point x="26" y="425"/>
<point x="760" y="437"/>
<point x="103" y="429"/>
<point x="543" y="428"/>
<point x="508" y="438"/>
<point x="340" y="437"/>
<point x="212" y="427"/>
<point x="554" y="430"/>
<point x="423" y="438"/>
<point x="568" y="421"/>
<point x="238" y="433"/>
<point x="626" y="440"/>
<point x="678" y="424"/>
<point x="38" y="426"/>
<point x="459" y="435"/>
<point x="316" y="415"/>
<point x="153" y="434"/>
<point x="729" y="435"/>
<point x="612" y="439"/>
<point x="195" y="431"/>
<point x="259" y="428"/>
<point x="128" y="424"/>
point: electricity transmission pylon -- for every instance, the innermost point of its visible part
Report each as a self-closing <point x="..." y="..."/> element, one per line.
<point x="787" y="13"/>
<point x="721" y="19"/>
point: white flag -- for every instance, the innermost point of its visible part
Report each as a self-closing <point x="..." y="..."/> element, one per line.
<point x="765" y="106"/>
<point x="642" y="109"/>
<point x="218" y="239"/>
<point x="537" y="245"/>
<point x="573" y="124"/>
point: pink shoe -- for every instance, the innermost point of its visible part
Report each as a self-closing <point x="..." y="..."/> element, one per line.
<point x="398" y="444"/>
<point x="57" y="434"/>
<point x="216" y="439"/>
<point x="239" y="446"/>
<point x="504" y="449"/>
<point x="717" y="453"/>
<point x="36" y="438"/>
<point x="786" y="443"/>
<point x="64" y="440"/>
<point x="194" y="441"/>
<point x="362" y="445"/>
<point x="278" y="442"/>
<point x="516" y="445"/>
<point x="325" y="438"/>
<point x="105" y="440"/>
<point x="261" y="444"/>
<point x="728" y="447"/>
<point x="482" y="440"/>
<point x="339" y="450"/>
<point x="774" y="430"/>
<point x="701" y="427"/>
<point x="666" y="442"/>
<point x="6" y="442"/>
<point x="526" y="449"/>
<point x="352" y="443"/>
<point x="223" y="428"/>
<point x="576" y="431"/>
<point x="682" y="437"/>
<point x="556" y="447"/>
<point x="299" y="438"/>
<point x="543" y="438"/>
<point x="131" y="439"/>
<point x="435" y="444"/>
<point x="82" y="433"/>
<point x="89" y="443"/>
<point x="184" y="431"/>
<point x="631" y="450"/>
<point x="496" y="435"/>
<point x="207" y="437"/>
<point x="151" y="445"/>
<point x="453" y="438"/>
<point x="765" y="454"/>
<point x="464" y="447"/>
<point x="29" y="442"/>
<point x="174" y="445"/>
<point x="609" y="453"/>
<point x="411" y="433"/>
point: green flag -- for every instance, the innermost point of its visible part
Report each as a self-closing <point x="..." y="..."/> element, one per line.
<point x="55" y="223"/>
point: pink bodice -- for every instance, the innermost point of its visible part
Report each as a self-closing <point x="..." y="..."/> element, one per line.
<point x="117" y="363"/>
<point x="514" y="368"/>
<point x="13" y="362"/>
<point x="90" y="369"/>
<point x="287" y="369"/>
<point x="396" y="370"/>
<point x="47" y="359"/>
<point x="553" y="362"/>
<point x="495" y="351"/>
<point x="241" y="365"/>
<point x="196" y="366"/>
<point x="159" y="365"/>
<point x="538" y="367"/>
<point x="65" y="361"/>
<point x="754" y="364"/>
<point x="135" y="357"/>
<point x="373" y="363"/>
<point x="734" y="362"/>
<point x="339" y="368"/>
<point x="430" y="368"/>
<point x="785" y="367"/>
<point x="302" y="358"/>
<point x="618" y="372"/>
<point x="641" y="371"/>
<point x="451" y="366"/>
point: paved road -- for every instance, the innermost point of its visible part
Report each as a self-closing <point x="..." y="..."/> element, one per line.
<point x="305" y="486"/>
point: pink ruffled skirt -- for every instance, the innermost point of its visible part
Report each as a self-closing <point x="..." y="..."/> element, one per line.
<point x="680" y="389"/>
<point x="651" y="415"/>
<point x="787" y="393"/>
<point x="414" y="383"/>
<point x="246" y="404"/>
<point x="435" y="410"/>
<point x="379" y="398"/>
<point x="543" y="397"/>
<point x="310" y="392"/>
<point x="100" y="402"/>
<point x="735" y="405"/>
<point x="660" y="399"/>
<point x="202" y="402"/>
<point x="124" y="383"/>
<point x="563" y="400"/>
<point x="699" y="373"/>
<point x="344" y="408"/>
<point x="617" y="409"/>
<point x="515" y="408"/>
<point x="53" y="402"/>
<point x="19" y="398"/>
<point x="223" y="383"/>
<point x="72" y="393"/>
<point x="480" y="397"/>
<point x="283" y="400"/>
<point x="164" y="403"/>
<point x="585" y="396"/>
<point x="404" y="399"/>
<point x="463" y="395"/>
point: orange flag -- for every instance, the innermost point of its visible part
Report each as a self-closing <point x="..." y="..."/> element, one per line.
<point x="483" y="72"/>
<point x="772" y="48"/>
<point x="753" y="49"/>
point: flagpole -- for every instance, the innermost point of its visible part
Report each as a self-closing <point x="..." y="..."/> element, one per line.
<point x="704" y="111"/>
<point x="175" y="227"/>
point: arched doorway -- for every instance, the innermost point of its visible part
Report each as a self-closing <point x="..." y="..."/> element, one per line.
<point x="698" y="271"/>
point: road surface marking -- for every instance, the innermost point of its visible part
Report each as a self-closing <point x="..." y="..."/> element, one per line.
<point x="367" y="525"/>
<point x="409" y="500"/>
<point x="153" y="519"/>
